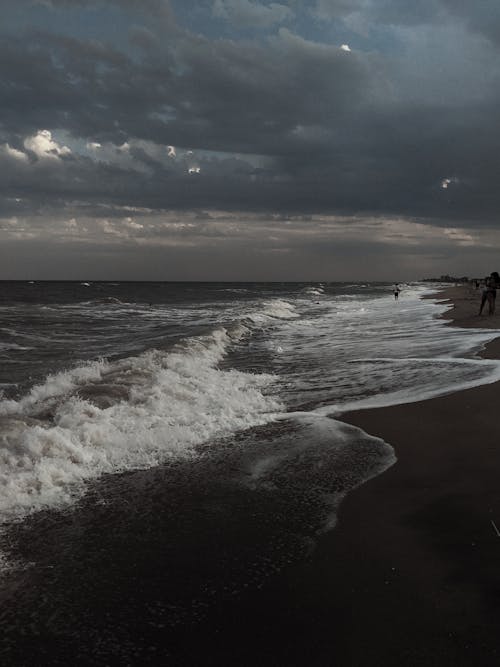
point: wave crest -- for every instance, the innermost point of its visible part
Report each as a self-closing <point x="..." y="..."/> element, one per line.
<point x="132" y="413"/>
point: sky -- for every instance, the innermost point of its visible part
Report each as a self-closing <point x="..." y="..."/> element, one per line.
<point x="249" y="140"/>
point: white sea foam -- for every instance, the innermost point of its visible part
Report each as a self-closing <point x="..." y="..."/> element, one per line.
<point x="314" y="291"/>
<point x="368" y="351"/>
<point x="112" y="416"/>
<point x="276" y="309"/>
<point x="413" y="394"/>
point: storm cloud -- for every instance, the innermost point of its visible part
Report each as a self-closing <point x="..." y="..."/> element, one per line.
<point x="210" y="130"/>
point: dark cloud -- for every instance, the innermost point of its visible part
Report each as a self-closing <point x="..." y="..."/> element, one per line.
<point x="248" y="13"/>
<point x="156" y="7"/>
<point x="167" y="119"/>
<point x="483" y="17"/>
<point x="214" y="255"/>
<point x="390" y="12"/>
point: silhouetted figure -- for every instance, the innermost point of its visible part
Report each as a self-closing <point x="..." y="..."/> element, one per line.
<point x="396" y="290"/>
<point x="489" y="292"/>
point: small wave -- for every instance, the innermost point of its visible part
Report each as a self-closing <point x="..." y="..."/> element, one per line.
<point x="105" y="417"/>
<point x="269" y="311"/>
<point x="102" y="301"/>
<point x="314" y="291"/>
<point x="14" y="346"/>
<point x="489" y="372"/>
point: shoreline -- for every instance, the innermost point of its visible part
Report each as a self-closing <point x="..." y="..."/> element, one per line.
<point x="409" y="575"/>
<point x="423" y="534"/>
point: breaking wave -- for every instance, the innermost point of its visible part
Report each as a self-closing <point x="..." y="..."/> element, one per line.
<point x="137" y="412"/>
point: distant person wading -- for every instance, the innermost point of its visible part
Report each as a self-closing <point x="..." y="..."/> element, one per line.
<point x="396" y="291"/>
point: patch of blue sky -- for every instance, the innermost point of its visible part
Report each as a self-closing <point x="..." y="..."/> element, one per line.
<point x="75" y="144"/>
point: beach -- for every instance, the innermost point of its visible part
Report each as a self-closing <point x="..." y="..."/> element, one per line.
<point x="248" y="403"/>
<point x="426" y="538"/>
<point x="411" y="573"/>
<point x="228" y="556"/>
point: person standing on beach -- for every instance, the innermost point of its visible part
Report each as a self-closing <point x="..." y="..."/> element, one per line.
<point x="396" y="291"/>
<point x="489" y="293"/>
<point x="494" y="283"/>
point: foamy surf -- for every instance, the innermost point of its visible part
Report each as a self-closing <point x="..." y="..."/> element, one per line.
<point x="294" y="351"/>
<point x="107" y="417"/>
<point x="269" y="311"/>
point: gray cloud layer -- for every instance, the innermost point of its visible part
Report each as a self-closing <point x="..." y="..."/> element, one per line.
<point x="168" y="118"/>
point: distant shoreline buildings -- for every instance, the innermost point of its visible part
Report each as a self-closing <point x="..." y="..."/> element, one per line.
<point x="447" y="279"/>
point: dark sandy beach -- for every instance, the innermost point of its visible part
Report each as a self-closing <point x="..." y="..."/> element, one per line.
<point x="425" y="546"/>
<point x="411" y="573"/>
<point x="410" y="576"/>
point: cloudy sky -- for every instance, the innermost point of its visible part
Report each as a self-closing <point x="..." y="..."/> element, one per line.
<point x="248" y="139"/>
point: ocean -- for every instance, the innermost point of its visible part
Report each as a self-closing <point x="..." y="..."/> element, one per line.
<point x="165" y="448"/>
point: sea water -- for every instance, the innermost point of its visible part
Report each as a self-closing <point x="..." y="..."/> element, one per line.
<point x="106" y="377"/>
